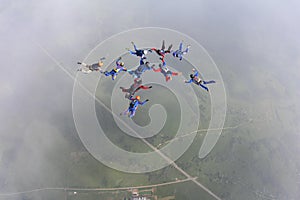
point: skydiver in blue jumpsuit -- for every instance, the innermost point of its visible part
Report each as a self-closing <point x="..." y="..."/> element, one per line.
<point x="138" y="52"/>
<point x="179" y="53"/>
<point x="114" y="72"/>
<point x="141" y="69"/>
<point x="135" y="102"/>
<point x="197" y="80"/>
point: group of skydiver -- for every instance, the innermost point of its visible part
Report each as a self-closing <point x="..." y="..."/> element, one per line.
<point x="144" y="66"/>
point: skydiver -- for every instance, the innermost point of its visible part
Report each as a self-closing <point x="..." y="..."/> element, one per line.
<point x="135" y="102"/>
<point x="166" y="72"/>
<point x="179" y="53"/>
<point x="114" y="72"/>
<point x="137" y="85"/>
<point x="197" y="80"/>
<point x="85" y="68"/>
<point x="138" y="52"/>
<point x="162" y="52"/>
<point x="141" y="69"/>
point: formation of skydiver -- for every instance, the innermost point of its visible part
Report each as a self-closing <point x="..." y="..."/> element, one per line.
<point x="144" y="66"/>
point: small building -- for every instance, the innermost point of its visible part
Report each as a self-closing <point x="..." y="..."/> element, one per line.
<point x="139" y="198"/>
<point x="135" y="193"/>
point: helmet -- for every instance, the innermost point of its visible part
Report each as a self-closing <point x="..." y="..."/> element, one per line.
<point x="138" y="97"/>
<point x="122" y="63"/>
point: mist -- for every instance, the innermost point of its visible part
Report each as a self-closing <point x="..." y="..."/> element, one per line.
<point x="258" y="39"/>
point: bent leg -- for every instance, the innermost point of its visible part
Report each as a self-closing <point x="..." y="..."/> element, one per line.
<point x="203" y="86"/>
<point x="144" y="87"/>
<point x="209" y="82"/>
<point x="124" y="112"/>
<point x="186" y="50"/>
<point x="169" y="48"/>
<point x="180" y="57"/>
<point x="175" y="74"/>
<point x="134" y="47"/>
<point x="163" y="45"/>
<point x="132" y="113"/>
<point x="84" y="64"/>
<point x="168" y="78"/>
<point x="124" y="90"/>
<point x="180" y="46"/>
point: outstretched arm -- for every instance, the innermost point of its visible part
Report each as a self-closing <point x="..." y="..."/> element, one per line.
<point x="144" y="87"/>
<point x="131" y="98"/>
<point x="156" y="70"/>
<point x="142" y="103"/>
<point x="175" y="73"/>
<point x="149" y="67"/>
<point x="134" y="46"/>
<point x="118" y="61"/>
<point x="191" y="80"/>
<point x="196" y="73"/>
